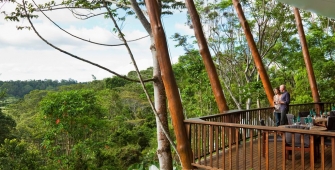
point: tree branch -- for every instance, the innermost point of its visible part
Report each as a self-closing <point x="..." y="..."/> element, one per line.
<point x="117" y="3"/>
<point x="74" y="56"/>
<point x="85" y="16"/>
<point x="141" y="16"/>
<point x="80" y="37"/>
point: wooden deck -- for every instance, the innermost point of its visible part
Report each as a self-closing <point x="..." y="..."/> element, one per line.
<point x="250" y="160"/>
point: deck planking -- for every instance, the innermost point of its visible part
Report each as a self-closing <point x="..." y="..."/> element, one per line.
<point x="244" y="161"/>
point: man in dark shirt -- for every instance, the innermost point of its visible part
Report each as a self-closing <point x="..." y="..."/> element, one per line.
<point x="284" y="104"/>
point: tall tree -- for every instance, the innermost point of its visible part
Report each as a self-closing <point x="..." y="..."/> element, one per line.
<point x="71" y="119"/>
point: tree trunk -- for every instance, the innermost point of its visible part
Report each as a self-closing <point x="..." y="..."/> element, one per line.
<point x="258" y="100"/>
<point x="170" y="85"/>
<point x="163" y="149"/>
<point x="163" y="145"/>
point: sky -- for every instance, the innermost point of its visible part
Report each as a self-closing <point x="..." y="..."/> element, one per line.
<point x="23" y="56"/>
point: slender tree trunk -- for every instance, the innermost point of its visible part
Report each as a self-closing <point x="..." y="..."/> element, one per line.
<point x="163" y="149"/>
<point x="258" y="100"/>
<point x="231" y="95"/>
<point x="248" y="104"/>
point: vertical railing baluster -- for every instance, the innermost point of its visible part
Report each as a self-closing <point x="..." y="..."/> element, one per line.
<point x="230" y="150"/>
<point x="233" y="129"/>
<point x="293" y="150"/>
<point x="302" y="138"/>
<point x="333" y="152"/>
<point x="211" y="142"/>
<point x="199" y="142"/>
<point x="259" y="150"/>
<point x="252" y="118"/>
<point x="217" y="145"/>
<point x="237" y="148"/>
<point x="312" y="151"/>
<point x="322" y="153"/>
<point x="223" y="147"/>
<point x="219" y="132"/>
<point x="267" y="150"/>
<point x="251" y="148"/>
<point x="260" y="116"/>
<point x="283" y="151"/>
<point x="246" y="122"/>
<point x="244" y="149"/>
<point x="192" y="139"/>
<point x="204" y="139"/>
<point x="275" y="149"/>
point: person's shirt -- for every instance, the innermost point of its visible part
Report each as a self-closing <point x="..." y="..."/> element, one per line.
<point x="285" y="97"/>
<point x="276" y="99"/>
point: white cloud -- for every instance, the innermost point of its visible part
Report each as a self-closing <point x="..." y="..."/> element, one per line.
<point x="24" y="56"/>
<point x="184" y="29"/>
<point x="48" y="64"/>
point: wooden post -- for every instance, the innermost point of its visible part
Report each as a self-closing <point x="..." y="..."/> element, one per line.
<point x="206" y="56"/>
<point x="175" y="106"/>
<point x="255" y="54"/>
<point x="307" y="59"/>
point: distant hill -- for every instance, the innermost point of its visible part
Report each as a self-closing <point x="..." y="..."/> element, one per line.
<point x="20" y="88"/>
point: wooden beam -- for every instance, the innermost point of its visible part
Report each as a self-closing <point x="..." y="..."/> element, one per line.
<point x="206" y="56"/>
<point x="307" y="58"/>
<point x="254" y="52"/>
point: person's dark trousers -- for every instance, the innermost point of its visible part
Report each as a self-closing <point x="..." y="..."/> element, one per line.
<point x="277" y="118"/>
<point x="283" y="118"/>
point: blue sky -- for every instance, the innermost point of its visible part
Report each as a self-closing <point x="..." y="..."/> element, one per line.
<point x="23" y="56"/>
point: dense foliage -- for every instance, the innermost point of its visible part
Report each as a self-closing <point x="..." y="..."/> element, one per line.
<point x="20" y="88"/>
<point x="81" y="127"/>
<point x="16" y="154"/>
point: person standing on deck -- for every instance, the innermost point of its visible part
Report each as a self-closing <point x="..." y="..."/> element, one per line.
<point x="284" y="104"/>
<point x="276" y="99"/>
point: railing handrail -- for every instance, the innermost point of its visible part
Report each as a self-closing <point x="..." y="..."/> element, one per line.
<point x="229" y="112"/>
<point x="265" y="128"/>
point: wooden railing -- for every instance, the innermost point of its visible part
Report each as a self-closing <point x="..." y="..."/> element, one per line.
<point x="253" y="116"/>
<point x="214" y="141"/>
<point x="249" y="117"/>
<point x="321" y="106"/>
<point x="213" y="147"/>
